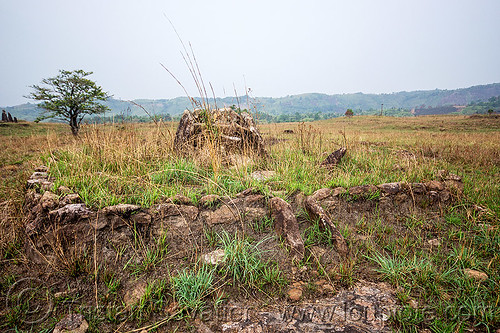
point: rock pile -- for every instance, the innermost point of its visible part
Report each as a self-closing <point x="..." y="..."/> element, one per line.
<point x="226" y="129"/>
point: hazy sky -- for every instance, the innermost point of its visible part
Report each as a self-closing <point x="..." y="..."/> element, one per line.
<point x="277" y="47"/>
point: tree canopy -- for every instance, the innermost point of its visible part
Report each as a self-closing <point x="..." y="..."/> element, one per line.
<point x="69" y="96"/>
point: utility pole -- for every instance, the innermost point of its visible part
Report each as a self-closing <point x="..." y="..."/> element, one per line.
<point x="381" y="109"/>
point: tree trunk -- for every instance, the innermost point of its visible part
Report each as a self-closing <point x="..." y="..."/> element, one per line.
<point x="74" y="125"/>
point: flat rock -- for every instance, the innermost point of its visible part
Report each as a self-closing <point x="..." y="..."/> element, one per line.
<point x="215" y="257"/>
<point x="390" y="188"/>
<point x="222" y="215"/>
<point x="72" y="212"/>
<point x="39" y="175"/>
<point x="120" y="209"/>
<point x="41" y="168"/>
<point x="476" y="275"/>
<point x="366" y="307"/>
<point x="434" y="185"/>
<point x="169" y="209"/>
<point x="134" y="293"/>
<point x="262" y="175"/>
<point x="72" y="323"/>
<point x="362" y="189"/>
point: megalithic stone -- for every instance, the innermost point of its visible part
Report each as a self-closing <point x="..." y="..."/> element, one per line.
<point x="4" y="116"/>
<point x="15" y="119"/>
<point x="10" y="118"/>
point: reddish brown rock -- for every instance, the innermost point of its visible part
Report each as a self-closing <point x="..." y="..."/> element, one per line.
<point x="322" y="194"/>
<point x="286" y="226"/>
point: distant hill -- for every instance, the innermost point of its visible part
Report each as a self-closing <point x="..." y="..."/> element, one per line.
<point x="304" y="103"/>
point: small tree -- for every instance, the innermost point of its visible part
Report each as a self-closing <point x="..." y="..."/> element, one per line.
<point x="349" y="113"/>
<point x="69" y="97"/>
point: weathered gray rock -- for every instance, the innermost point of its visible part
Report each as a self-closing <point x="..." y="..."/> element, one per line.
<point x="286" y="226"/>
<point x="317" y="212"/>
<point x="237" y="132"/>
<point x="72" y="323"/>
<point x="366" y="307"/>
<point x="70" y="213"/>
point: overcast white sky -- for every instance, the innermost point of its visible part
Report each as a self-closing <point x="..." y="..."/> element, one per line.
<point x="277" y="47"/>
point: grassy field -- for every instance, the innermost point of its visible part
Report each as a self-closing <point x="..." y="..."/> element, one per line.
<point x="131" y="163"/>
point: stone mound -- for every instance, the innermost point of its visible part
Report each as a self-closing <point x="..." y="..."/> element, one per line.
<point x="226" y="129"/>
